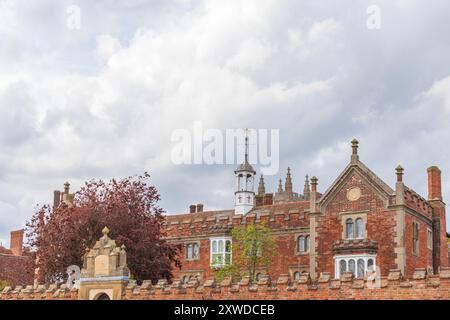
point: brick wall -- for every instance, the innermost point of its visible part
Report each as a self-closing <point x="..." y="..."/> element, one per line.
<point x="420" y="287"/>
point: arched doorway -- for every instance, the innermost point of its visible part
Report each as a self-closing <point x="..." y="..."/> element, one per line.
<point x="103" y="296"/>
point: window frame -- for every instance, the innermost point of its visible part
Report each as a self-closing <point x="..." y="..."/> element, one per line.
<point x="354" y="216"/>
<point x="415" y="238"/>
<point x="339" y="259"/>
<point x="224" y="254"/>
<point x="306" y="243"/>
<point x="193" y="244"/>
<point x="429" y="239"/>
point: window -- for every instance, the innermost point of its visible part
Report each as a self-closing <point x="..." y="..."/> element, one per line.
<point x="429" y="239"/>
<point x="354" y="225"/>
<point x="360" y="268"/>
<point x="303" y="244"/>
<point x="359" y="228"/>
<point x="349" y="228"/>
<point x="258" y="276"/>
<point x="415" y="237"/>
<point x="359" y="265"/>
<point x="296" y="275"/>
<point x="220" y="252"/>
<point x="192" y="251"/>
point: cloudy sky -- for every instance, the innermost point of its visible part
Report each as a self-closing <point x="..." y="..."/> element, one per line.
<point x="102" y="98"/>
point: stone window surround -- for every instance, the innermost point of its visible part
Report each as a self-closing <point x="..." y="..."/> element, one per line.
<point x="415" y="251"/>
<point x="300" y="269"/>
<point x="429" y="239"/>
<point x="354" y="215"/>
<point x="185" y="248"/>
<point x="192" y="273"/>
<point x="355" y="257"/>
<point x="296" y="236"/>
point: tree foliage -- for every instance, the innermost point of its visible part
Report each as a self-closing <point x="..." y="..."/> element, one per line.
<point x="254" y="246"/>
<point x="128" y="207"/>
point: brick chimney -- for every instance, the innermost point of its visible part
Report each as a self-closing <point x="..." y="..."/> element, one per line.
<point x="200" y="207"/>
<point x="434" y="183"/>
<point x="16" y="243"/>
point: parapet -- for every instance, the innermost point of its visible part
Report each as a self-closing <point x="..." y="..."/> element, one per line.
<point x="421" y="286"/>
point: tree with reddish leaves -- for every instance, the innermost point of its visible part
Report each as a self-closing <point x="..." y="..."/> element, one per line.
<point x="128" y="207"/>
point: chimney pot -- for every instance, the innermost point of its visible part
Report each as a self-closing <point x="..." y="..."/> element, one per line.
<point x="192" y="208"/>
<point x="200" y="207"/>
<point x="434" y="183"/>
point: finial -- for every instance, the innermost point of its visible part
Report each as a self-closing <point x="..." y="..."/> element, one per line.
<point x="355" y="156"/>
<point x="105" y="231"/>
<point x="280" y="186"/>
<point x="314" y="184"/>
<point x="66" y="187"/>
<point x="261" y="186"/>
<point x="399" y="173"/>
<point x="247" y="130"/>
<point x="122" y="247"/>
<point x="355" y="146"/>
<point x="306" y="190"/>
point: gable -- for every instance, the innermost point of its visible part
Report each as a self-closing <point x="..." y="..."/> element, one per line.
<point x="355" y="189"/>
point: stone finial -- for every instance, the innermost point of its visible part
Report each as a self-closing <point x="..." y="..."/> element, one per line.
<point x="399" y="173"/>
<point x="288" y="182"/>
<point x="66" y="187"/>
<point x="355" y="156"/>
<point x="280" y="186"/>
<point x="355" y="146"/>
<point x="261" y="186"/>
<point x="314" y="184"/>
<point x="306" y="189"/>
<point x="105" y="231"/>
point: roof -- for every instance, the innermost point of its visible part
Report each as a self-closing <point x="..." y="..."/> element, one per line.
<point x="245" y="167"/>
<point x="203" y="214"/>
<point x="304" y="204"/>
<point x="365" y="172"/>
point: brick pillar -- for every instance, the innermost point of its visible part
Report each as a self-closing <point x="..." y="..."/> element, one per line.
<point x="16" y="244"/>
<point x="434" y="183"/>
<point x="440" y="247"/>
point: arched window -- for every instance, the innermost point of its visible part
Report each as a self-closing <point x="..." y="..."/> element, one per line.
<point x="258" y="276"/>
<point x="342" y="266"/>
<point x="359" y="228"/>
<point x="301" y="244"/>
<point x="189" y="251"/>
<point x="349" y="228"/>
<point x="184" y="279"/>
<point x="196" y="250"/>
<point x="307" y="244"/>
<point x="360" y="273"/>
<point x="370" y="265"/>
<point x="351" y="266"/>
<point x="296" y="276"/>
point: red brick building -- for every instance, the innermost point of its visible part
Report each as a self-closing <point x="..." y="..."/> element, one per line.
<point x="16" y="266"/>
<point x="358" y="224"/>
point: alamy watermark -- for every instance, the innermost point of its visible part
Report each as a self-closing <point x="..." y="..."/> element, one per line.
<point x="213" y="146"/>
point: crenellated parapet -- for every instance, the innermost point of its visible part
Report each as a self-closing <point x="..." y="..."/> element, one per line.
<point x="292" y="215"/>
<point x="421" y="286"/>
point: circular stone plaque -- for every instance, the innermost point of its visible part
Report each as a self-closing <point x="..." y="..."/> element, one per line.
<point x="354" y="194"/>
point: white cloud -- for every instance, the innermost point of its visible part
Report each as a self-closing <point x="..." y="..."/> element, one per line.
<point x="104" y="100"/>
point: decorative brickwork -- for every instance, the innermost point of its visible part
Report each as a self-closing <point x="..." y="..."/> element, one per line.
<point x="420" y="287"/>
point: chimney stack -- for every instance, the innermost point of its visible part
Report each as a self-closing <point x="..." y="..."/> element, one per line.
<point x="192" y="208"/>
<point x="56" y="198"/>
<point x="200" y="207"/>
<point x="16" y="244"/>
<point x="434" y="183"/>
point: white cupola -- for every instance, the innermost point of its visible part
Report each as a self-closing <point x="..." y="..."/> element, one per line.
<point x="244" y="196"/>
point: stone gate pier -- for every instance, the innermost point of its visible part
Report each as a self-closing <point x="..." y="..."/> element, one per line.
<point x="105" y="274"/>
